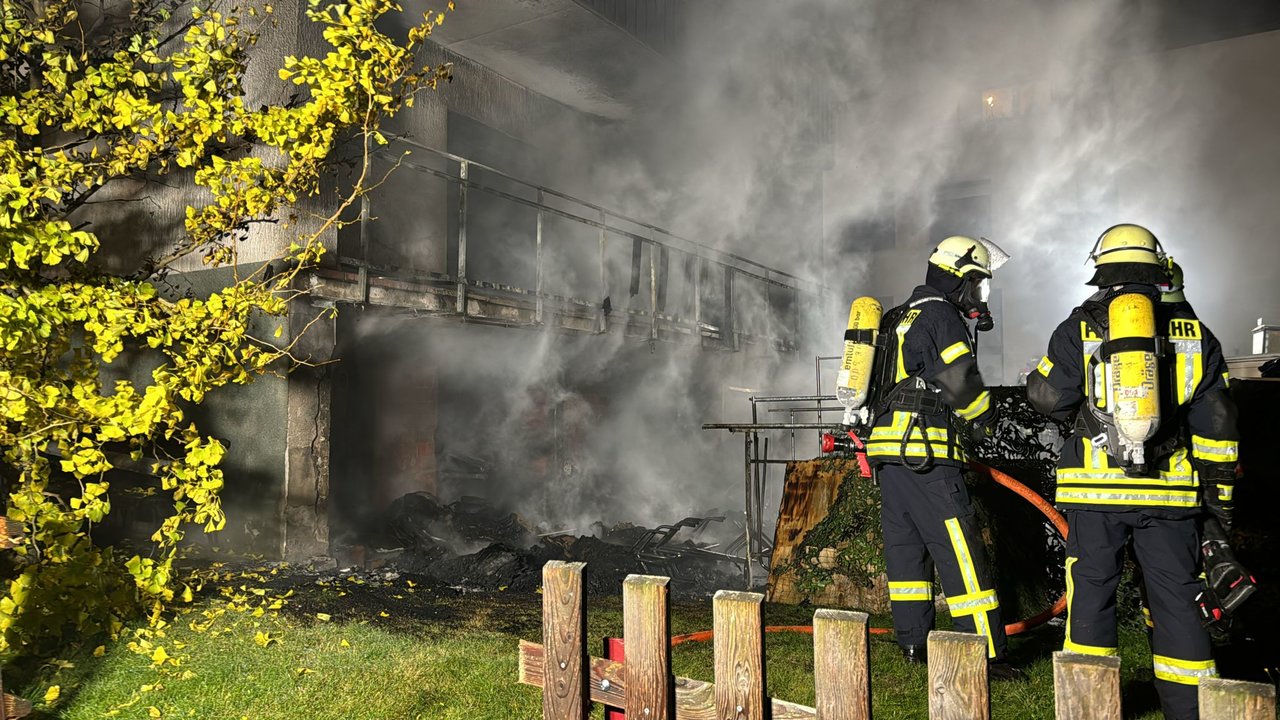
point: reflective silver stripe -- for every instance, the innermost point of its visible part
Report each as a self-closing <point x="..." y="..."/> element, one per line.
<point x="975" y="603"/>
<point x="953" y="353"/>
<point x="1106" y="478"/>
<point x="970" y="576"/>
<point x="1183" y="672"/>
<point x="1223" y="450"/>
<point x="1168" y="499"/>
<point x="1188" y="349"/>
<point x="911" y="592"/>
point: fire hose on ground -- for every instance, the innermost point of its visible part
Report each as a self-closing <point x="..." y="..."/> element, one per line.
<point x="1013" y="628"/>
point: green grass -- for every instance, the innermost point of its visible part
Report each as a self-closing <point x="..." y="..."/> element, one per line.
<point x="397" y="653"/>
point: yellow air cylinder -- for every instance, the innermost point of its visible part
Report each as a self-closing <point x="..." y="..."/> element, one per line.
<point x="856" y="365"/>
<point x="1135" y="395"/>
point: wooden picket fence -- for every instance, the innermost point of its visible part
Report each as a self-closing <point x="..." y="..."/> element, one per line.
<point x="1085" y="687"/>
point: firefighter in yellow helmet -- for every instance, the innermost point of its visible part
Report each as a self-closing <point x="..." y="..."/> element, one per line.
<point x="1136" y="377"/>
<point x="925" y="373"/>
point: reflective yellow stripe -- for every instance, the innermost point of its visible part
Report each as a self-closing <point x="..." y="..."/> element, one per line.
<point x="970" y="575"/>
<point x="886" y="434"/>
<point x="1072" y="477"/>
<point x="1149" y="498"/>
<point x="892" y="449"/>
<point x="910" y="590"/>
<point x="1226" y="379"/>
<point x="1091" y="455"/>
<point x="1068" y="644"/>
<point x="1225" y="492"/>
<point x="1215" y="450"/>
<point x="1089" y="649"/>
<point x="1188" y="369"/>
<point x="973" y="603"/>
<point x="974" y="409"/>
<point x="1045" y="367"/>
<point x="954" y="352"/>
<point x="1183" y="672"/>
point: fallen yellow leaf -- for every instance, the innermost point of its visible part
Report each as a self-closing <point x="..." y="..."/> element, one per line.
<point x="52" y="693"/>
<point x="100" y="651"/>
<point x="323" y="617"/>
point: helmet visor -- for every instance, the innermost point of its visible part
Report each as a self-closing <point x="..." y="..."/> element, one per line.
<point x="997" y="254"/>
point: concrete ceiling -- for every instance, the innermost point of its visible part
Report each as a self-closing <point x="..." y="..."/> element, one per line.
<point x="557" y="48"/>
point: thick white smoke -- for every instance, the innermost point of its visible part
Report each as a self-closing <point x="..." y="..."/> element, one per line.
<point x="795" y="132"/>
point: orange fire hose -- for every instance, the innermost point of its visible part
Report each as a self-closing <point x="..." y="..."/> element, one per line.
<point x="1014" y="628"/>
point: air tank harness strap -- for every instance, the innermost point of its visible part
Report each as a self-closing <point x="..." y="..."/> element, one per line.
<point x="915" y="422"/>
<point x="865" y="336"/>
<point x="915" y="397"/>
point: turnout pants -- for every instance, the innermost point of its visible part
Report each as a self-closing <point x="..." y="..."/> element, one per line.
<point x="1167" y="551"/>
<point x="928" y="520"/>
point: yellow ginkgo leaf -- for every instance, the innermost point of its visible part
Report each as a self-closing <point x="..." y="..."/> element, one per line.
<point x="323" y="617"/>
<point x="51" y="695"/>
<point x="345" y="644"/>
<point x="159" y="656"/>
<point x="153" y="711"/>
<point x="384" y="614"/>
<point x="100" y="651"/>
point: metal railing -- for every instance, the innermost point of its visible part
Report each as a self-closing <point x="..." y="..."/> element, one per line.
<point x="470" y="176"/>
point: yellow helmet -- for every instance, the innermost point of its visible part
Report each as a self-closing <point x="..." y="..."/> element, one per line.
<point x="1127" y="253"/>
<point x="1171" y="291"/>
<point x="961" y="255"/>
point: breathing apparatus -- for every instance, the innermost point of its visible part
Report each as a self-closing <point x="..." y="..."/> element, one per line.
<point x="960" y="268"/>
<point x="853" y="383"/>
<point x="1123" y="405"/>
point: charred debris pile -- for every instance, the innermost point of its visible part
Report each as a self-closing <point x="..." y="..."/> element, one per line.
<point x="471" y="544"/>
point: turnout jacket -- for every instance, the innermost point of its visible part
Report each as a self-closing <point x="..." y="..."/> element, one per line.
<point x="1197" y="430"/>
<point x="929" y="340"/>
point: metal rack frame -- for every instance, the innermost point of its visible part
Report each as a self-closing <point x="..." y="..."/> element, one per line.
<point x="757" y="547"/>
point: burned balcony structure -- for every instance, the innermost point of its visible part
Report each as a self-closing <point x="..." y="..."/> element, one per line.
<point x="638" y="279"/>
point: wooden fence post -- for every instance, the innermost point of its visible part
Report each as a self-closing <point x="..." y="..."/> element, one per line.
<point x="958" y="677"/>
<point x="841" y="662"/>
<point x="739" y="656"/>
<point x="1086" y="687"/>
<point x="646" y="623"/>
<point x="564" y="635"/>
<point x="1235" y="700"/>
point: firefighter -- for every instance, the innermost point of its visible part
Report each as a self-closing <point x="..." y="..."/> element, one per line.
<point x="925" y="373"/>
<point x="1112" y="489"/>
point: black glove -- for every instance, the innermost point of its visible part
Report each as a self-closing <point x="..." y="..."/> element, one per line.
<point x="1218" y="507"/>
<point x="983" y="427"/>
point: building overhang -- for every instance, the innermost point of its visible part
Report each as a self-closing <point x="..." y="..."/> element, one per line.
<point x="557" y="48"/>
